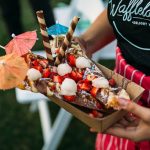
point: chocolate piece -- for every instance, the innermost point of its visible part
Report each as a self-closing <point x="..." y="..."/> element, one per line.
<point x="41" y="85"/>
<point x="87" y="101"/>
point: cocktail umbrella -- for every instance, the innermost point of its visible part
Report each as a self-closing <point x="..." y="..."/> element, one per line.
<point x="57" y="29"/>
<point x="13" y="70"/>
<point x="22" y="43"/>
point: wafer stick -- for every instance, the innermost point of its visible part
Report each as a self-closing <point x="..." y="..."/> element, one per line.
<point x="67" y="40"/>
<point x="42" y="24"/>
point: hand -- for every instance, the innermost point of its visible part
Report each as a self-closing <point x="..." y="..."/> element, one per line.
<point x="136" y="129"/>
<point x="84" y="46"/>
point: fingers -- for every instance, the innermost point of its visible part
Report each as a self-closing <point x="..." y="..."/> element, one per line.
<point x="137" y="133"/>
<point x="142" y="112"/>
<point x="128" y="133"/>
<point x="92" y="130"/>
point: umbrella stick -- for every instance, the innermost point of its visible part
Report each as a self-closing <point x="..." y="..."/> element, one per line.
<point x="2" y="47"/>
<point x="46" y="43"/>
<point x="67" y="39"/>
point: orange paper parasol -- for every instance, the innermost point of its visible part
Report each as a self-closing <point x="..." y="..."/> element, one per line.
<point x="22" y="43"/>
<point x="13" y="70"/>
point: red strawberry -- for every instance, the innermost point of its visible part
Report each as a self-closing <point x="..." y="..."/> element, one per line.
<point x="71" y="60"/>
<point x="79" y="76"/>
<point x="35" y="62"/>
<point x="66" y="76"/>
<point x="84" y="86"/>
<point x="44" y="63"/>
<point x="46" y="73"/>
<point x="94" y="91"/>
<point x="73" y="75"/>
<point x="38" y="68"/>
<point x="98" y="105"/>
<point x="57" y="50"/>
<point x="57" y="79"/>
<point x="53" y="88"/>
<point x="95" y="113"/>
<point x="69" y="98"/>
<point x="53" y="74"/>
<point x="112" y="82"/>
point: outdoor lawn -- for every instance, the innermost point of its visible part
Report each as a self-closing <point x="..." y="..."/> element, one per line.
<point x="19" y="128"/>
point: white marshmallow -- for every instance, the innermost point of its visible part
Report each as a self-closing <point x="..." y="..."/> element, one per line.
<point x="123" y="94"/>
<point x="100" y="82"/>
<point x="63" y="69"/>
<point x="82" y="62"/>
<point x="33" y="74"/>
<point x="68" y="87"/>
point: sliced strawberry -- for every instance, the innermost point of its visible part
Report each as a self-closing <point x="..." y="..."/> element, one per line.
<point x="57" y="50"/>
<point x="84" y="86"/>
<point x="99" y="105"/>
<point x="57" y="79"/>
<point x="44" y="63"/>
<point x="112" y="82"/>
<point x="53" y="74"/>
<point x="53" y="88"/>
<point x="94" y="91"/>
<point x="66" y="76"/>
<point x="73" y="75"/>
<point x="69" y="98"/>
<point x="38" y="68"/>
<point x="46" y="73"/>
<point x="95" y="113"/>
<point x="79" y="76"/>
<point x="71" y="60"/>
<point x="35" y="62"/>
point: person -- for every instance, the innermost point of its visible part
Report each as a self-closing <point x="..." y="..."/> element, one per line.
<point x="128" y="21"/>
<point x="11" y="12"/>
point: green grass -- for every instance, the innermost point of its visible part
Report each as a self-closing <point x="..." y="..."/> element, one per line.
<point x="19" y="128"/>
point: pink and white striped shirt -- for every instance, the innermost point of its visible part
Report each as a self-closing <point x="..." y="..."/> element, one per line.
<point x="109" y="142"/>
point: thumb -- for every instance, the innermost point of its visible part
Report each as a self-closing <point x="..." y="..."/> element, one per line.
<point x="140" y="111"/>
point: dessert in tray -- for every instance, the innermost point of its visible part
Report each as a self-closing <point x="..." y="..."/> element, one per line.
<point x="69" y="74"/>
<point x="76" y="79"/>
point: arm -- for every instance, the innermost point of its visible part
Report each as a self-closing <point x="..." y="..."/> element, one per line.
<point x="98" y="35"/>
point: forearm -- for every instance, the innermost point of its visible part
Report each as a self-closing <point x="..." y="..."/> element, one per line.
<point x="99" y="34"/>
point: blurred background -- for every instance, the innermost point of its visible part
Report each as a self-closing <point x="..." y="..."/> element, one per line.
<point x="20" y="128"/>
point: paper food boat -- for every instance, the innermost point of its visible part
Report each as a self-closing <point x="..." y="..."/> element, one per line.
<point x="101" y="124"/>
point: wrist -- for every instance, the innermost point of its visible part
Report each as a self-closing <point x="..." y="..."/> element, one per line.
<point x="83" y="42"/>
<point x="88" y="43"/>
<point x="85" y="45"/>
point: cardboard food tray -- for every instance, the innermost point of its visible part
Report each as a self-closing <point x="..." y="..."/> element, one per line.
<point x="101" y="124"/>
